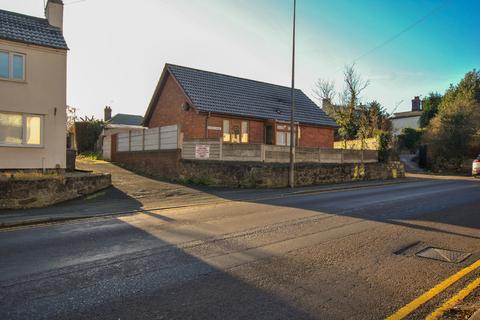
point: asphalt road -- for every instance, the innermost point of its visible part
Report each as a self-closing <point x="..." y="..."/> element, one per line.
<point x="329" y="255"/>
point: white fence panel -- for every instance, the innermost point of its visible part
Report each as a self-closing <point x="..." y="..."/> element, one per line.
<point x="123" y="142"/>
<point x="152" y="139"/>
<point x="136" y="141"/>
<point x="168" y="137"/>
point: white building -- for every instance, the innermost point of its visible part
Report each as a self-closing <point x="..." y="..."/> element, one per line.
<point x="409" y="119"/>
<point x="33" y="80"/>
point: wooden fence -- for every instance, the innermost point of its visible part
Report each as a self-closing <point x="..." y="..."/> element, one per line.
<point x="162" y="138"/>
<point x="214" y="149"/>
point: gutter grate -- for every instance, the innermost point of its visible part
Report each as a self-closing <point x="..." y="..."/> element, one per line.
<point x="443" y="255"/>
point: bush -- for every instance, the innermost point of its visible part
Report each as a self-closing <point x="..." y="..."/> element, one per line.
<point x="384" y="145"/>
<point x="410" y="139"/>
<point x="86" y="135"/>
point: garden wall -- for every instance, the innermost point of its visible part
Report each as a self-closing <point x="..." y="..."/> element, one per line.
<point x="42" y="192"/>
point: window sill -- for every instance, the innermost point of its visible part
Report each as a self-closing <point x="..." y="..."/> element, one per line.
<point x="21" y="146"/>
<point x="14" y="81"/>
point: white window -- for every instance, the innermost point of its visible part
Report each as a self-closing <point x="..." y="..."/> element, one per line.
<point x="12" y="66"/>
<point x="244" y="131"/>
<point x="226" y="131"/>
<point x="20" y="129"/>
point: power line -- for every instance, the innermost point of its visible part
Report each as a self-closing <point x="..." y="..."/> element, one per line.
<point x="405" y="30"/>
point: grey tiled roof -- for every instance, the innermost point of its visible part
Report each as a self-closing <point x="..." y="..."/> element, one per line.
<point x="127" y="119"/>
<point x="28" y="29"/>
<point x="219" y="93"/>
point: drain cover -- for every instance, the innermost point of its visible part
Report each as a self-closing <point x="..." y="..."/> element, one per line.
<point x="443" y="255"/>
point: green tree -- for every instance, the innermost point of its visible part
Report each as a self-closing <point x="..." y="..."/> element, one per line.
<point x="430" y="108"/>
<point x="453" y="134"/>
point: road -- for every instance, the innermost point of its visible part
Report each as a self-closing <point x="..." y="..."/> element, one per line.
<point x="345" y="254"/>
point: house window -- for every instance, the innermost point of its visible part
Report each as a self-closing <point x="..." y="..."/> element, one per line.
<point x="20" y="129"/>
<point x="226" y="131"/>
<point x="12" y="66"/>
<point x="244" y="131"/>
<point x="283" y="135"/>
<point x="235" y="134"/>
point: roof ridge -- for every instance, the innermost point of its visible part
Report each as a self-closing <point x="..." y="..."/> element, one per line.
<point x="26" y="16"/>
<point x="230" y="76"/>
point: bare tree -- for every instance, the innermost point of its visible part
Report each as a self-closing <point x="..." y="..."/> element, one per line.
<point x="354" y="86"/>
<point x="324" y="90"/>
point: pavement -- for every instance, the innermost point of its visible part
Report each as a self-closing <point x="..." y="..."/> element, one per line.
<point x="327" y="254"/>
<point x="132" y="193"/>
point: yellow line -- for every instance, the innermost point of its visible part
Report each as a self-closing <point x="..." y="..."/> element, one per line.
<point x="454" y="300"/>
<point x="439" y="288"/>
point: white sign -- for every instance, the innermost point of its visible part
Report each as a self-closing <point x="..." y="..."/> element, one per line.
<point x="215" y="128"/>
<point x="202" y="151"/>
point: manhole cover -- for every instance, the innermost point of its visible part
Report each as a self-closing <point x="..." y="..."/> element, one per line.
<point x="443" y="255"/>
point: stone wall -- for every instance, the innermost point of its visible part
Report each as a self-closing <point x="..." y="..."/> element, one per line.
<point x="42" y="192"/>
<point x="257" y="174"/>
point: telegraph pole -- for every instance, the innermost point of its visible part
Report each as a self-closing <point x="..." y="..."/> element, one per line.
<point x="291" y="179"/>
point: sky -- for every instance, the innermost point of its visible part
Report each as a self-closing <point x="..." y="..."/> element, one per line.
<point x="118" y="48"/>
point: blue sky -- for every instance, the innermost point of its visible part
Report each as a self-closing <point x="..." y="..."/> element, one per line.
<point x="118" y="48"/>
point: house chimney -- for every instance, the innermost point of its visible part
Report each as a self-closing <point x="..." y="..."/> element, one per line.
<point x="326" y="102"/>
<point x="416" y="104"/>
<point x="107" y="114"/>
<point x="54" y="13"/>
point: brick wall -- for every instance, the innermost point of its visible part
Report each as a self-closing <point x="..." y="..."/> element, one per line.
<point x="158" y="163"/>
<point x="316" y="137"/>
<point x="168" y="111"/>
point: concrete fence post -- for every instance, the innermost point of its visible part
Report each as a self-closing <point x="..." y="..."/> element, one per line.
<point x="129" y="140"/>
<point x="262" y="152"/>
<point x="159" y="138"/>
<point x="143" y="140"/>
<point x="220" y="141"/>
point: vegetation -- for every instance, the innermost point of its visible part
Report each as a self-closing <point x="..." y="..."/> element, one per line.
<point x="430" y="108"/>
<point x="86" y="133"/>
<point x="410" y="139"/>
<point x="453" y="135"/>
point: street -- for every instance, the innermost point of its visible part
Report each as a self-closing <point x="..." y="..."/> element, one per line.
<point x="343" y="254"/>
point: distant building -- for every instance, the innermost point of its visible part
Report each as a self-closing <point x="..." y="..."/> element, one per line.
<point x="33" y="81"/>
<point x="409" y="119"/>
<point x="120" y="123"/>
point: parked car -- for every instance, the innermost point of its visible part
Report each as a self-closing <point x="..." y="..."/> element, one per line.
<point x="476" y="166"/>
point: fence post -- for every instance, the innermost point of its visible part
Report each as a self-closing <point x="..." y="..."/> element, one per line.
<point x="179" y="137"/>
<point x="129" y="140"/>
<point x="221" y="148"/>
<point x="362" y="156"/>
<point x="342" y="157"/>
<point x="262" y="152"/>
<point x="159" y="138"/>
<point x="143" y="140"/>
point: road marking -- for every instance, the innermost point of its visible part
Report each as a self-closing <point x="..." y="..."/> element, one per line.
<point x="427" y="296"/>
<point x="462" y="294"/>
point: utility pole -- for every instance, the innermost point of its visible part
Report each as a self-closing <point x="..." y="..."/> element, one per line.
<point x="291" y="179"/>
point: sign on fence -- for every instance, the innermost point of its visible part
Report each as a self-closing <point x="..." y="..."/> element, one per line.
<point x="202" y="151"/>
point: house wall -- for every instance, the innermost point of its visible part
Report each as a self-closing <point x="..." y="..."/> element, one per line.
<point x="42" y="92"/>
<point x="402" y="123"/>
<point x="316" y="137"/>
<point x="168" y="111"/>
<point x="194" y="125"/>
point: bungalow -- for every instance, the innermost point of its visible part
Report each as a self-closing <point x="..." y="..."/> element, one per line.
<point x="212" y="105"/>
<point x="33" y="80"/>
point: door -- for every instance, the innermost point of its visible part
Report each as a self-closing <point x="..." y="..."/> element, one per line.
<point x="269" y="134"/>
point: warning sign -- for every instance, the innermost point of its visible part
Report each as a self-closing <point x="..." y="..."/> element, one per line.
<point x="202" y="151"/>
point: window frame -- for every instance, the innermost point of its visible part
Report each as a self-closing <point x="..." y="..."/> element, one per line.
<point x="24" y="131"/>
<point x="10" y="77"/>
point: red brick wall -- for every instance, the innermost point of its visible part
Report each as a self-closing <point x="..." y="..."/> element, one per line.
<point x="255" y="128"/>
<point x="316" y="137"/>
<point x="168" y="111"/>
<point x="158" y="163"/>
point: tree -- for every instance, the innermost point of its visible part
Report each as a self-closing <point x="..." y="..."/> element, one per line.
<point x="453" y="134"/>
<point x="430" y="108"/>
